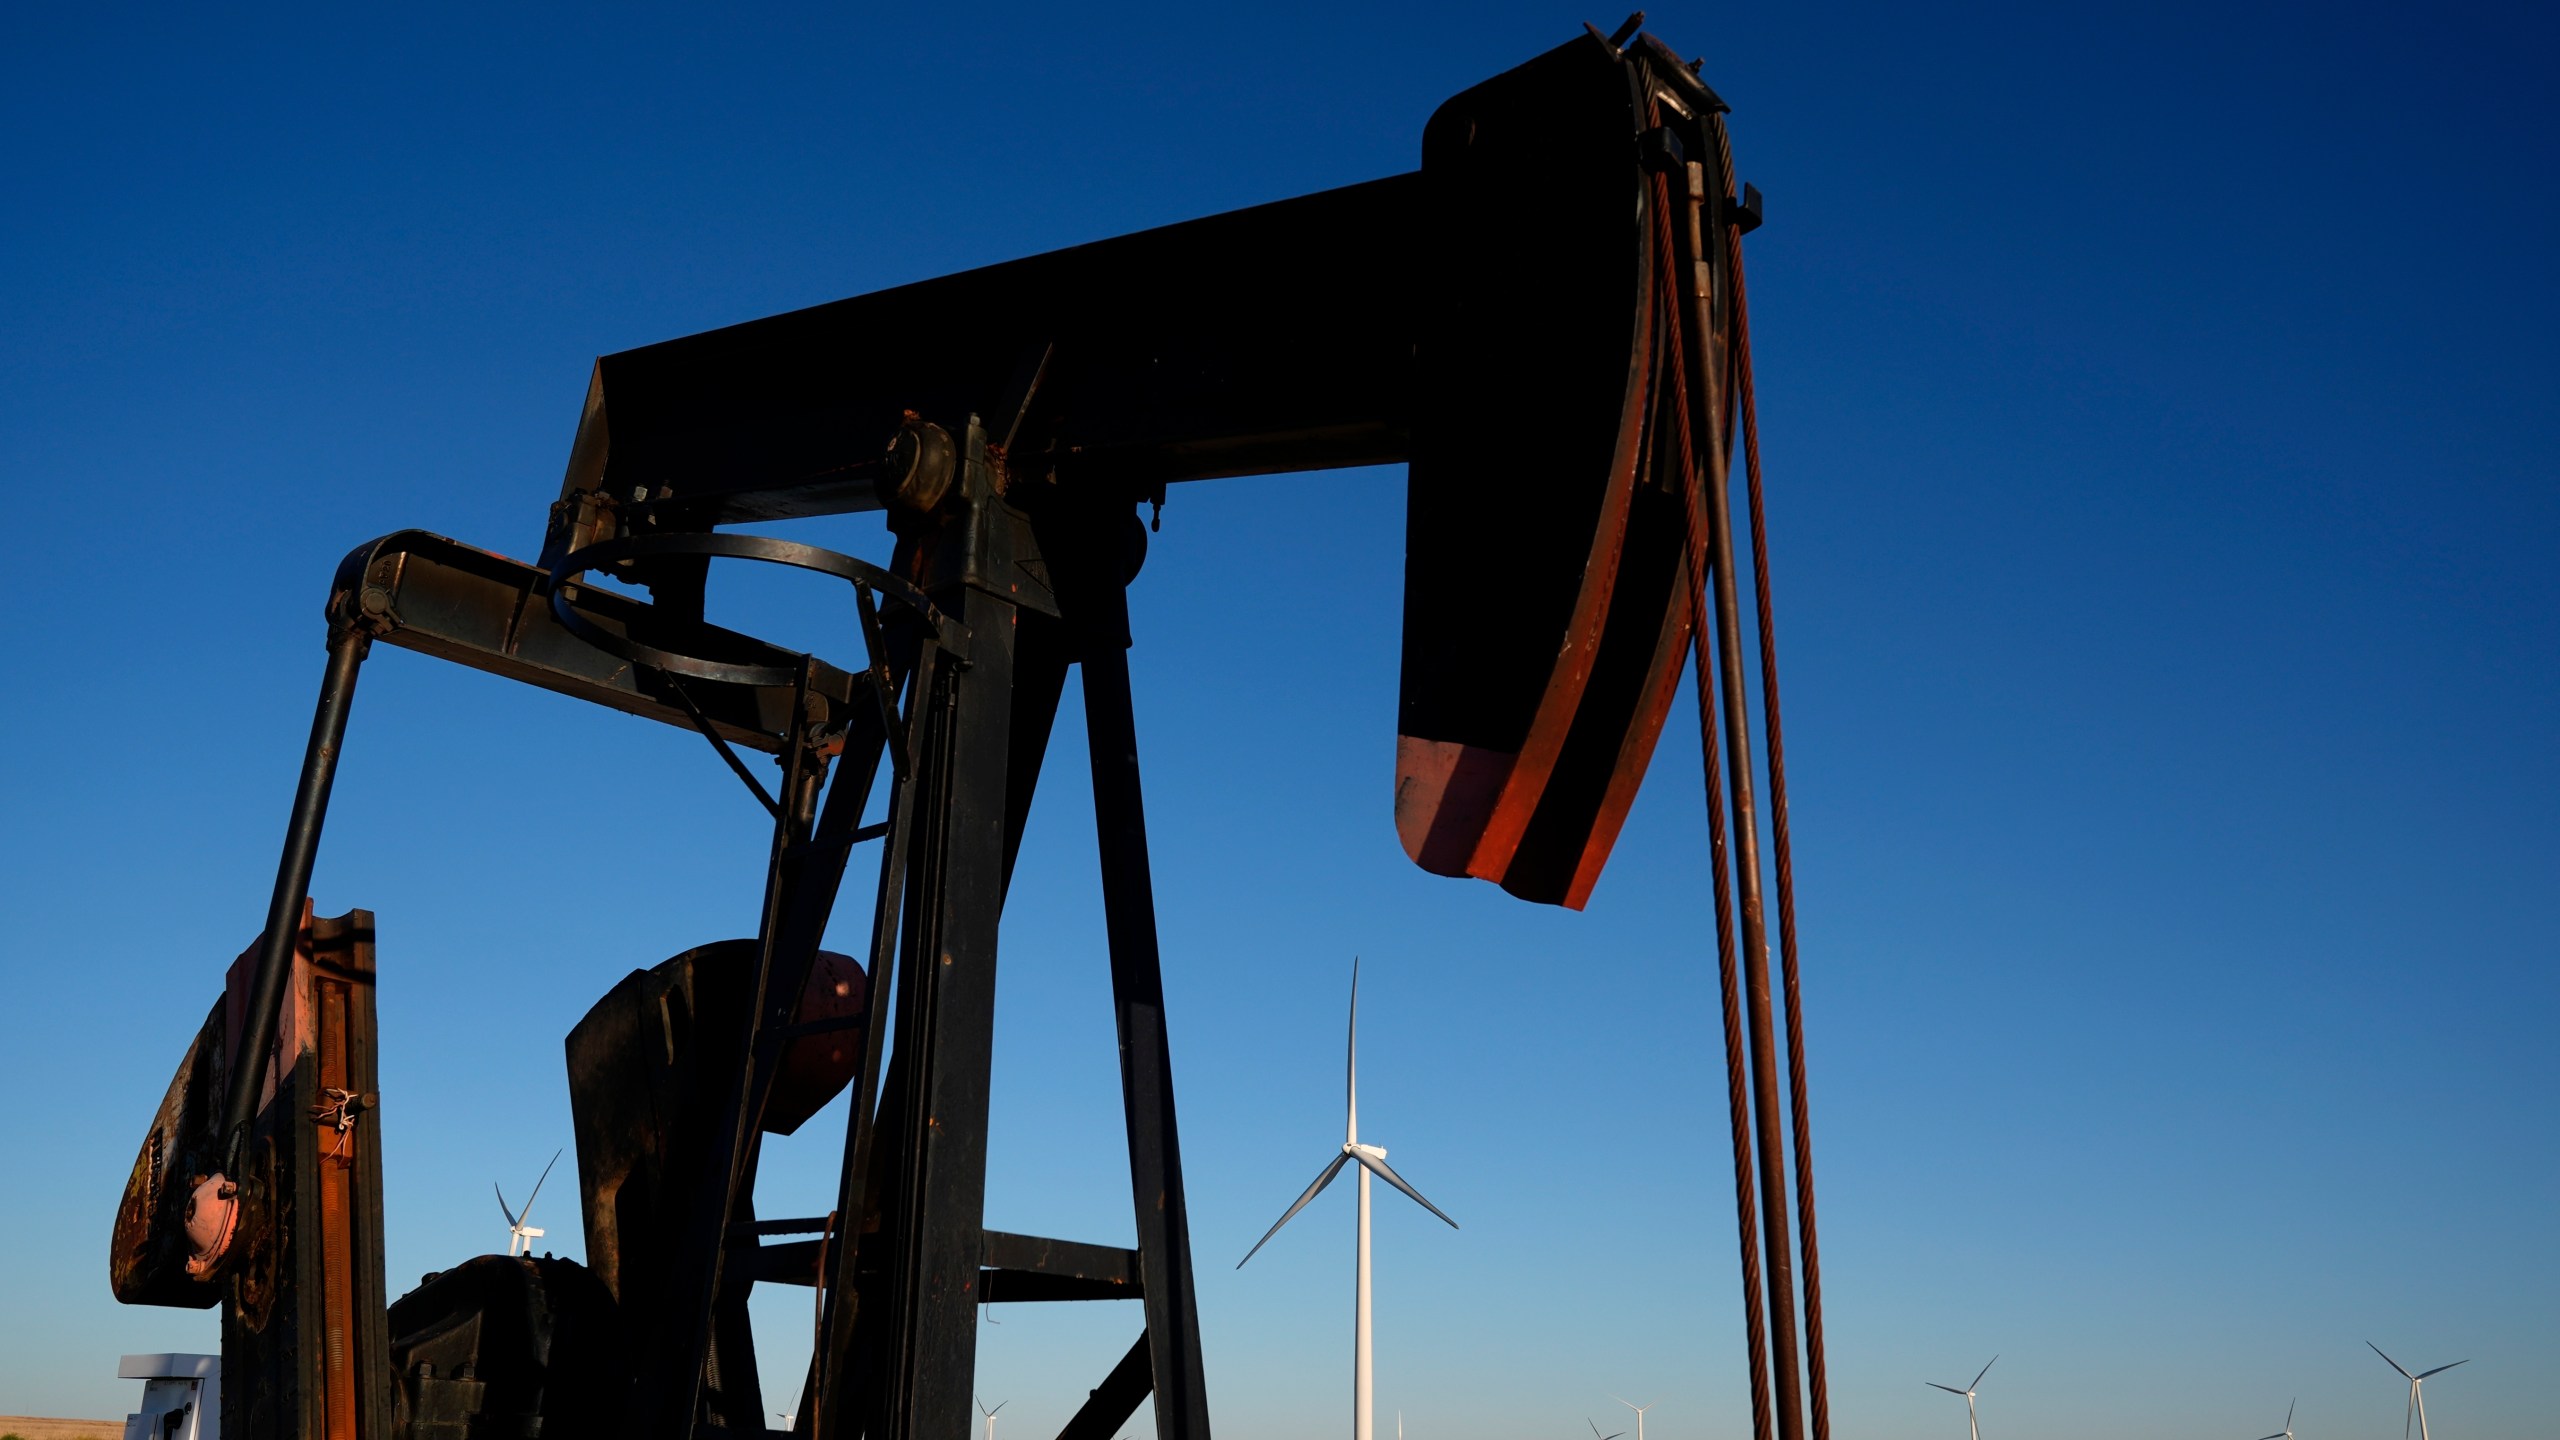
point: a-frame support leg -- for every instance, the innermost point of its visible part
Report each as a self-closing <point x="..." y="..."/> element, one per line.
<point x="981" y="725"/>
<point x="947" y="1028"/>
<point x="1099" y="610"/>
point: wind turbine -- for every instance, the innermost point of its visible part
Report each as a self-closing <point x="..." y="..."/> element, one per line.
<point x="1967" y="1392"/>
<point x="2417" y="1398"/>
<point x="1639" y="1409"/>
<point x="2287" y="1432"/>
<point x="991" y="1416"/>
<point x="520" y="1236"/>
<point x="1372" y="1160"/>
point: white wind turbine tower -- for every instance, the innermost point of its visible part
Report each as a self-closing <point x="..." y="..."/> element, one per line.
<point x="991" y="1416"/>
<point x="2417" y="1398"/>
<point x="1639" y="1409"/>
<point x="520" y="1236"/>
<point x="1967" y="1392"/>
<point x="1372" y="1160"/>
<point x="2287" y="1432"/>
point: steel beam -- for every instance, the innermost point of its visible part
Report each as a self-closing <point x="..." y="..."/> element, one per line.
<point x="946" y="1025"/>
<point x="1093" y="588"/>
<point x="347" y="647"/>
<point x="1110" y="1404"/>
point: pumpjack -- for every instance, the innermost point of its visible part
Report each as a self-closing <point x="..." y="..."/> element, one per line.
<point x="1545" y="324"/>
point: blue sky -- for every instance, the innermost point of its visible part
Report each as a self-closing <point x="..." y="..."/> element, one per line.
<point x="2157" y="403"/>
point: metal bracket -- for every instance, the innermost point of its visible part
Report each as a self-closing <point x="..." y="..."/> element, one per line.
<point x="1745" y="212"/>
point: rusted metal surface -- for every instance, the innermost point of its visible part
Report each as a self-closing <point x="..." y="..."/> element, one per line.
<point x="305" y="1344"/>
<point x="1800" y="1122"/>
<point x="640" y="1065"/>
<point x="147" y="1258"/>
<point x="819" y="1060"/>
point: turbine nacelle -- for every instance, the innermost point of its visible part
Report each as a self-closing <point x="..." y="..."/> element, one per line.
<point x="1639" y="1409"/>
<point x="2417" y="1412"/>
<point x="520" y="1236"/>
<point x="1967" y="1392"/>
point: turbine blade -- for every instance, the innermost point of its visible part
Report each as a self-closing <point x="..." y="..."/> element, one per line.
<point x="512" y="1221"/>
<point x="1977" y="1379"/>
<point x="2423" y="1374"/>
<point x="2279" y="1435"/>
<point x="1934" y="1385"/>
<point x="2387" y="1360"/>
<point x="537" y="1186"/>
<point x="1351" y="1064"/>
<point x="1312" y="1191"/>
<point x="999" y="1405"/>
<point x="2412" y="1417"/>
<point x="1379" y="1168"/>
<point x="2288" y="1414"/>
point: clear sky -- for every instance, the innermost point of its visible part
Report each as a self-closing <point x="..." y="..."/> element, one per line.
<point x="2158" y="403"/>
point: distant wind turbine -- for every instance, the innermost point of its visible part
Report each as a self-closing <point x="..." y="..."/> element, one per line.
<point x="1595" y="1430"/>
<point x="2287" y="1432"/>
<point x="2417" y="1399"/>
<point x="520" y="1236"/>
<point x="1639" y="1409"/>
<point x="1372" y="1160"/>
<point x="1967" y="1392"/>
<point x="991" y="1416"/>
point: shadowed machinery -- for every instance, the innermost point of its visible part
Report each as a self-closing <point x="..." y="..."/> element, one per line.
<point x="1544" y="323"/>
